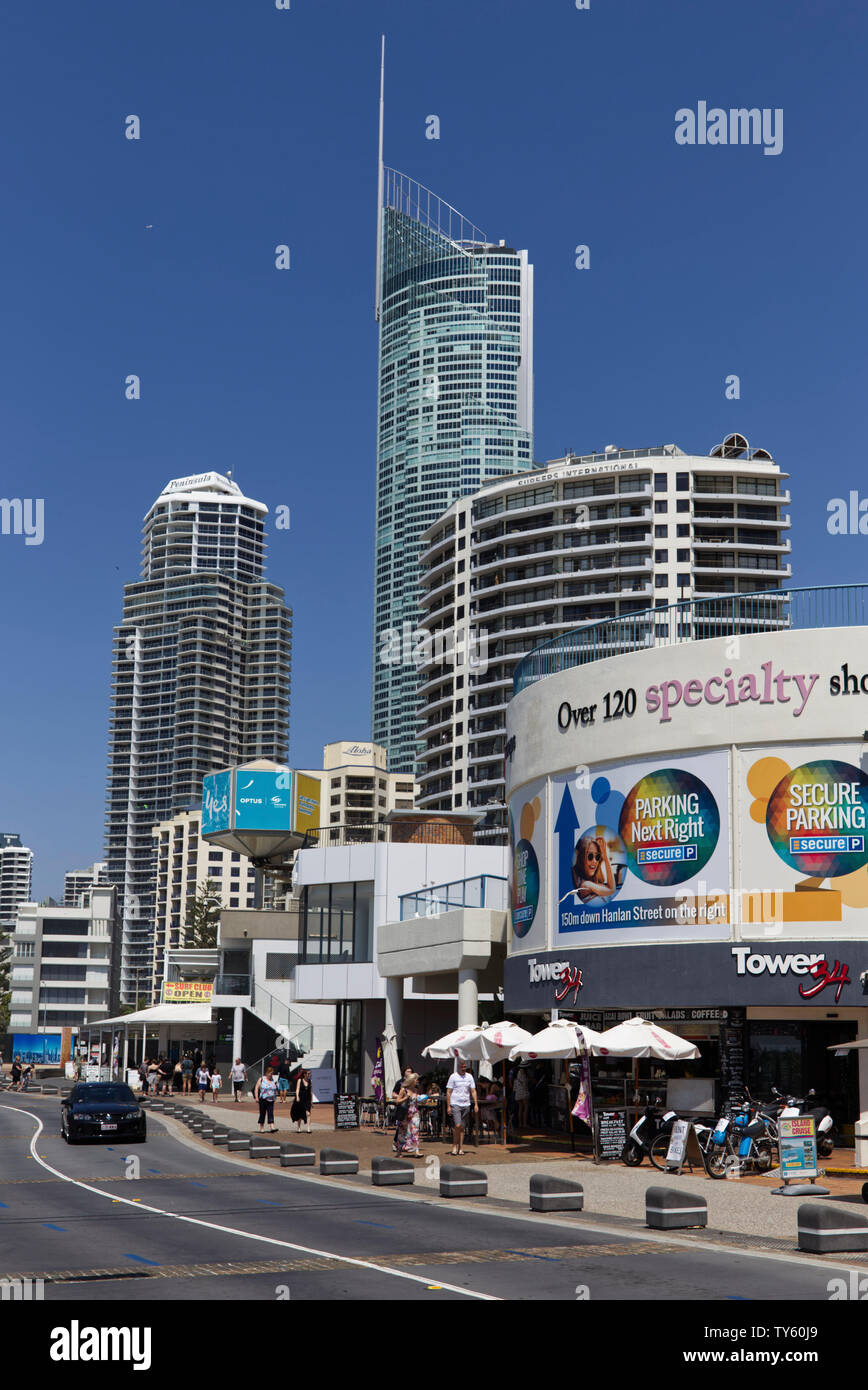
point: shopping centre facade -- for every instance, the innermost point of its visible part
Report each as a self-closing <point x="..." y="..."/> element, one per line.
<point x="688" y="798"/>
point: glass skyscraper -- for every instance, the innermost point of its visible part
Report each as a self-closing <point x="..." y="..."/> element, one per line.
<point x="455" y="410"/>
<point x="200" y="682"/>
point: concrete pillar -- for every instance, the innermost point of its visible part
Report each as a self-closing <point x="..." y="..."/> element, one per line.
<point x="468" y="998"/>
<point x="395" y="1009"/>
<point x="237" y="1032"/>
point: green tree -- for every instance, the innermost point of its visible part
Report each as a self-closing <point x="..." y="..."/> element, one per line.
<point x="203" y="911"/>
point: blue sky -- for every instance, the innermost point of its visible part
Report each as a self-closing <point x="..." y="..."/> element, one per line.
<point x="258" y="128"/>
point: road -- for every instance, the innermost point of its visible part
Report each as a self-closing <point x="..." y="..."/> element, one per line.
<point x="196" y="1225"/>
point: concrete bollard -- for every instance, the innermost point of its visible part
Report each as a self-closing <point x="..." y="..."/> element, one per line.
<point x="220" y="1135"/>
<point x="555" y="1194"/>
<point x="391" y="1172"/>
<point x="824" y="1229"/>
<point x="669" y="1210"/>
<point x="333" y="1161"/>
<point x="456" y="1181"/>
<point x="261" y="1147"/>
<point x="239" y="1143"/>
<point x="296" y="1156"/>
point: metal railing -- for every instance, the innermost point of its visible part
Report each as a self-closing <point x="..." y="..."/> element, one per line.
<point x="284" y="1020"/>
<point x="484" y="890"/>
<point x="697" y="619"/>
<point x="232" y="984"/>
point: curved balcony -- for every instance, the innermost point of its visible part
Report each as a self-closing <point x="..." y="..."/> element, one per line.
<point x="769" y="610"/>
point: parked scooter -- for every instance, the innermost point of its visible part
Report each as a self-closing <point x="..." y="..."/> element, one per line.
<point x="644" y="1132"/>
<point x="824" y="1125"/>
<point x="740" y="1143"/>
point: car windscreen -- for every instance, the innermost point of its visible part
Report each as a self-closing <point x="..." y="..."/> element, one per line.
<point x="85" y="1095"/>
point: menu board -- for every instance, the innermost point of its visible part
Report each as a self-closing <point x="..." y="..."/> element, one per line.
<point x="732" y="1057"/>
<point x="346" y="1112"/>
<point x="611" y="1134"/>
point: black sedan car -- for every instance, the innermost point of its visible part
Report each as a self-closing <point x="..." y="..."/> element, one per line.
<point x="101" y="1110"/>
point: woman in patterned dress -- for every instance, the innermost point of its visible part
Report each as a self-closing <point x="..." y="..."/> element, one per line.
<point x="407" y="1137"/>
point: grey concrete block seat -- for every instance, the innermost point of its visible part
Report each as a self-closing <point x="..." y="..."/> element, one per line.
<point x="668" y="1209"/>
<point x="333" y="1161"/>
<point x="456" y="1181"/>
<point x="826" y="1229"/>
<point x="555" y="1194"/>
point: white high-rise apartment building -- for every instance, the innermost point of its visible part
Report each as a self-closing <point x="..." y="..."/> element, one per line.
<point x="77" y="884"/>
<point x="201" y="681"/>
<point x="580" y="541"/>
<point x="16" y="871"/>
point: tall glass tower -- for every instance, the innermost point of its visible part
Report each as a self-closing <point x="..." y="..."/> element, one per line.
<point x="200" y="681"/>
<point x="455" y="408"/>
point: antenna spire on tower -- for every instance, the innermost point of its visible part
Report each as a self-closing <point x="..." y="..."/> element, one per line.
<point x="380" y="180"/>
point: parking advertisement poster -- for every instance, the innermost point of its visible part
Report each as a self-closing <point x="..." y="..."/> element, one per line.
<point x="640" y="851"/>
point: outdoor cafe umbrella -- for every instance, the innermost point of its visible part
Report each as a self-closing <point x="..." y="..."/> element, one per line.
<point x="564" y="1039"/>
<point x="561" y="1038"/>
<point x="391" y="1065"/>
<point x="493" y="1042"/>
<point x="639" y="1037"/>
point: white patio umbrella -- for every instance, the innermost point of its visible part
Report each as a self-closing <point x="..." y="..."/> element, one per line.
<point x="493" y="1042"/>
<point x="562" y="1038"/>
<point x="459" y="1043"/>
<point x="639" y="1037"/>
<point x="391" y="1065"/>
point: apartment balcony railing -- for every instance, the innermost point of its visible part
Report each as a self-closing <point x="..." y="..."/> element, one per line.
<point x="839" y="605"/>
<point x="485" y="890"/>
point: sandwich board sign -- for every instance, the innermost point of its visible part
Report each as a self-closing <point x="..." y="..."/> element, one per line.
<point x="798" y="1147"/>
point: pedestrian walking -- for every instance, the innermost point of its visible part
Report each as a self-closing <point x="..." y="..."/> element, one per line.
<point x="143" y="1076"/>
<point x="16" y="1073"/>
<point x="203" y="1078"/>
<point x="407" y="1138"/>
<point x="26" y="1076"/>
<point x="216" y="1084"/>
<point x="186" y="1073"/>
<point x="461" y="1094"/>
<point x="153" y="1076"/>
<point x="166" y="1070"/>
<point x="283" y="1081"/>
<point x="265" y="1092"/>
<point x="301" y="1106"/>
<point x="177" y="1076"/>
<point x="238" y="1076"/>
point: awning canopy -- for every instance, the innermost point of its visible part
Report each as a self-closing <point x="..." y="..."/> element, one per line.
<point x="848" y="1046"/>
<point x="159" y="1013"/>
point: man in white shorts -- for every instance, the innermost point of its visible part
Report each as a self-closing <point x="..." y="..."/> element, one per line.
<point x="460" y="1095"/>
<point x="238" y="1075"/>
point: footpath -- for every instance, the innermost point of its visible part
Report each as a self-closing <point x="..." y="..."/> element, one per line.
<point x="744" y="1209"/>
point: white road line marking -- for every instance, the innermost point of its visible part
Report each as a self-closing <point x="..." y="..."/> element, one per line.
<point x="247" y="1235"/>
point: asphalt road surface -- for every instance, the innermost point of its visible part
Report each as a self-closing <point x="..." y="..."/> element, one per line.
<point x="195" y="1225"/>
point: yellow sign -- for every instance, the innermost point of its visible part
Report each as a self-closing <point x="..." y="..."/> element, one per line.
<point x="307" y="800"/>
<point x="187" y="991"/>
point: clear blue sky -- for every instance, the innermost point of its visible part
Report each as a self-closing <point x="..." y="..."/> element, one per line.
<point x="259" y="127"/>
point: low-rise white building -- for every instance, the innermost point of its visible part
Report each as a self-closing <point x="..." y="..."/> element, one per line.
<point x="62" y="969"/>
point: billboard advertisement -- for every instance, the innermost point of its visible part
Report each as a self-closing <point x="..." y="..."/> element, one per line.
<point x="640" y="850"/>
<point x="215" y="803"/>
<point x="263" y="799"/>
<point x="41" y="1049"/>
<point x="804" y="837"/>
<point x="307" y="803"/>
<point x="527" y="837"/>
